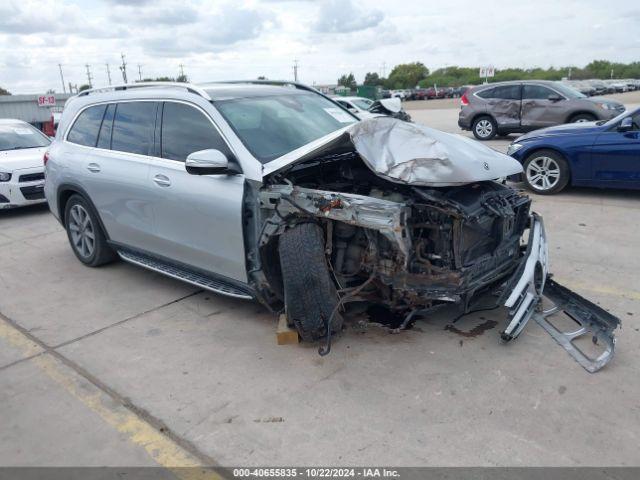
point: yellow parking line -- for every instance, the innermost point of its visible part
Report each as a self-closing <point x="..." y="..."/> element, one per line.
<point x="161" y="449"/>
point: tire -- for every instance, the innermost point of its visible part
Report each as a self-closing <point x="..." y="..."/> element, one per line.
<point x="484" y="128"/>
<point x="310" y="294"/>
<point x="582" y="117"/>
<point x="546" y="172"/>
<point x="81" y="224"/>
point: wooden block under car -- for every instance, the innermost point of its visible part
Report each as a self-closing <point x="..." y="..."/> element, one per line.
<point x="284" y="334"/>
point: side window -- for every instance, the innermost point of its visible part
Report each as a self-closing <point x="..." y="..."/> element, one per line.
<point x="536" y="92"/>
<point x="344" y="104"/>
<point x="488" y="93"/>
<point x="186" y="130"/>
<point x="133" y="127"/>
<point x="85" y="129"/>
<point x="104" y="138"/>
<point x="510" y="92"/>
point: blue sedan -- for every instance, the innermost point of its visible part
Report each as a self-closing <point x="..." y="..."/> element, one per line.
<point x="602" y="154"/>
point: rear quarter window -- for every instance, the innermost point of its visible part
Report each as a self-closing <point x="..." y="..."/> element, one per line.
<point x="85" y="129"/>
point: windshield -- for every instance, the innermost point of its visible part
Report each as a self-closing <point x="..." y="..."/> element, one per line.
<point x="274" y="125"/>
<point x="568" y="91"/>
<point x="17" y="136"/>
<point x="362" y="103"/>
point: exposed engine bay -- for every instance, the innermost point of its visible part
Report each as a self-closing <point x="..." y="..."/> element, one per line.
<point x="407" y="245"/>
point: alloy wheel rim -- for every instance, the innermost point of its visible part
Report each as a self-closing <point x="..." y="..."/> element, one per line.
<point x="83" y="234"/>
<point x="581" y="120"/>
<point x="543" y="173"/>
<point x="484" y="128"/>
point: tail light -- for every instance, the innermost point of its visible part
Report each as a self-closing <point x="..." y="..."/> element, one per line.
<point x="464" y="101"/>
<point x="45" y="158"/>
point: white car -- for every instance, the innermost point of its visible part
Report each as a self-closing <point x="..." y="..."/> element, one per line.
<point x="357" y="105"/>
<point x="22" y="149"/>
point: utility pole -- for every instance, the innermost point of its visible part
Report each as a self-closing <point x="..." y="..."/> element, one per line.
<point x="140" y="72"/>
<point x="182" y="75"/>
<point x="384" y="69"/>
<point x="108" y="73"/>
<point x="64" y="89"/>
<point x="295" y="70"/>
<point x="123" y="68"/>
<point x="89" y="74"/>
<point x="70" y="88"/>
<point x="612" y="73"/>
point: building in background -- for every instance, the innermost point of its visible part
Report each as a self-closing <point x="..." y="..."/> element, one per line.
<point x="41" y="111"/>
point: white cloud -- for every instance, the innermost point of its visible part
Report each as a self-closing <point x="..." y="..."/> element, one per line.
<point x="222" y="39"/>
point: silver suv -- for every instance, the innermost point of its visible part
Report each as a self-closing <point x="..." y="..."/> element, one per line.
<point x="516" y="107"/>
<point x="275" y="192"/>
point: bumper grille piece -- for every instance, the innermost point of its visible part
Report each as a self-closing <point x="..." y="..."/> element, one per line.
<point x="35" y="192"/>
<point x="3" y="199"/>
<point x="31" y="177"/>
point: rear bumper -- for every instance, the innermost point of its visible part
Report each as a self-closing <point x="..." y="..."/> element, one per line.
<point x="22" y="189"/>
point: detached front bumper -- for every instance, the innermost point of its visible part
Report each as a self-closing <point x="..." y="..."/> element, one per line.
<point x="532" y="281"/>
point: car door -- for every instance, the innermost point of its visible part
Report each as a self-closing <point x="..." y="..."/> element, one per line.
<point x="114" y="172"/>
<point x="198" y="218"/>
<point x="615" y="158"/>
<point x="503" y="103"/>
<point x="538" y="111"/>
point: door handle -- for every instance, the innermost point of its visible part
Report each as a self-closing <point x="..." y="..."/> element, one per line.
<point x="93" y="167"/>
<point x="162" y="181"/>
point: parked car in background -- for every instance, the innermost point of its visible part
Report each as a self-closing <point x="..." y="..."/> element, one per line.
<point x="385" y="94"/>
<point x="357" y="105"/>
<point x="603" y="154"/>
<point x="398" y="94"/>
<point x="618" y="86"/>
<point x="521" y="106"/>
<point x="599" y="86"/>
<point x="430" y="93"/>
<point x="21" y="169"/>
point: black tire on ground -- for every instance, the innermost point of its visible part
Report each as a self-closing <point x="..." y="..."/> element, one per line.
<point x="484" y="128"/>
<point x="310" y="294"/>
<point x="538" y="158"/>
<point x="582" y="117"/>
<point x="92" y="253"/>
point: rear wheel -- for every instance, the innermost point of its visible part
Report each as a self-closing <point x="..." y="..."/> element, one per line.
<point x="484" y="128"/>
<point x="582" y="117"/>
<point x="546" y="172"/>
<point x="86" y="237"/>
<point x="310" y="294"/>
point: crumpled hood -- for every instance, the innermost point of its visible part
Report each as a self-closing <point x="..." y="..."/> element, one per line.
<point x="405" y="152"/>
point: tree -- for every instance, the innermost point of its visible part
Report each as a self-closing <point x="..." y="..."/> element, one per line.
<point x="348" y="81"/>
<point x="372" y="78"/>
<point x="407" y="75"/>
<point x="4" y="92"/>
<point x="262" y="77"/>
<point x="84" y="87"/>
<point x="182" y="78"/>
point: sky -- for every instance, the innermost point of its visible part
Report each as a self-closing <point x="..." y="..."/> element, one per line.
<point x="243" y="39"/>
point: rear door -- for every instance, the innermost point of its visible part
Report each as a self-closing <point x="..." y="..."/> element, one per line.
<point x="198" y="218"/>
<point x="538" y="111"/>
<point x="503" y="103"/>
<point x="615" y="158"/>
<point x="114" y="172"/>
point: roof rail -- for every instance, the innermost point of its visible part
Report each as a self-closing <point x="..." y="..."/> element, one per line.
<point x="298" y="85"/>
<point x="129" y="86"/>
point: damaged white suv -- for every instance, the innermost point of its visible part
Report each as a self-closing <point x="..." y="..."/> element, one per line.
<point x="273" y="191"/>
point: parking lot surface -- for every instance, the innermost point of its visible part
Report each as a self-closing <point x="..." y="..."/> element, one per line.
<point x="121" y="366"/>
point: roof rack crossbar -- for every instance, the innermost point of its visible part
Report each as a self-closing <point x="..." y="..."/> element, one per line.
<point x="128" y="86"/>
<point x="298" y="85"/>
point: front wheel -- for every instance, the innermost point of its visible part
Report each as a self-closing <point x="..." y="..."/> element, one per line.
<point x="484" y="128"/>
<point x="86" y="237"/>
<point x="546" y="172"/>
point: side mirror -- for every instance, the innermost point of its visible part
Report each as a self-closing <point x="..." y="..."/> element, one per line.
<point x="554" y="97"/>
<point x="207" y="162"/>
<point x="626" y="124"/>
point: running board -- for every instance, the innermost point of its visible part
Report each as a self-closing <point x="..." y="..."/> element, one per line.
<point x="593" y="321"/>
<point x="188" y="276"/>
